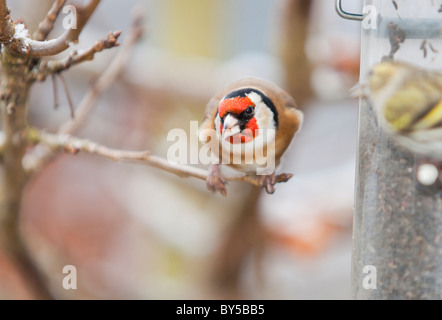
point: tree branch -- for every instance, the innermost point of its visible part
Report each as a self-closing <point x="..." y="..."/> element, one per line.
<point x="35" y="48"/>
<point x="35" y="160"/>
<point x="14" y="93"/>
<point x="46" y="26"/>
<point x="19" y="57"/>
<point x="2" y="144"/>
<point x="68" y="96"/>
<point x="106" y="79"/>
<point x="6" y="26"/>
<point x="55" y="90"/>
<point x="50" y="67"/>
<point x="74" y="145"/>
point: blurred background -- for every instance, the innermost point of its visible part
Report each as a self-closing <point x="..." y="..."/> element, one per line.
<point x="134" y="232"/>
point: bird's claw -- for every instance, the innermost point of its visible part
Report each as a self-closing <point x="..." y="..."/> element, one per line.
<point x="216" y="181"/>
<point x="268" y="181"/>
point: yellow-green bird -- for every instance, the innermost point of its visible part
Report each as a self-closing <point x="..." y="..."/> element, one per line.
<point x="408" y="102"/>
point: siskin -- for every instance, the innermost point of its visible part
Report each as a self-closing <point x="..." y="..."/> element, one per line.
<point x="408" y="103"/>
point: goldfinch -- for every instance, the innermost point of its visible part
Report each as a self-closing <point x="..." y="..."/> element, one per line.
<point x="408" y="102"/>
<point x="249" y="124"/>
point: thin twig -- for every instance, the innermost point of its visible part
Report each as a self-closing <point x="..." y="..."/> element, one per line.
<point x="36" y="159"/>
<point x="55" y="90"/>
<point x="68" y="95"/>
<point x="2" y="143"/>
<point x="50" y="67"/>
<point x="45" y="27"/>
<point x="106" y="79"/>
<point x="35" y="48"/>
<point x="74" y="145"/>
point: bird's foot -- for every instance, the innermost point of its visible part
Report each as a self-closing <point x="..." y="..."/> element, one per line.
<point x="268" y="181"/>
<point x="216" y="181"/>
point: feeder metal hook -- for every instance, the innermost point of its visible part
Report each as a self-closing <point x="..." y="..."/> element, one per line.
<point x="347" y="15"/>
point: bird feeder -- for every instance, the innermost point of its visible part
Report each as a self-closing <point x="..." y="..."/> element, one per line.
<point x="397" y="235"/>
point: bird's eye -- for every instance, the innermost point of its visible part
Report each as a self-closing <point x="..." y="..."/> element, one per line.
<point x="249" y="111"/>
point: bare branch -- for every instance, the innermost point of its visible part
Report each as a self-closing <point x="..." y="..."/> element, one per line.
<point x="35" y="160"/>
<point x="74" y="145"/>
<point x="106" y="79"/>
<point x="35" y="48"/>
<point x="55" y="90"/>
<point x="51" y="67"/>
<point x="2" y="143"/>
<point x="6" y="26"/>
<point x="45" y="27"/>
<point x="14" y="116"/>
<point x="68" y="96"/>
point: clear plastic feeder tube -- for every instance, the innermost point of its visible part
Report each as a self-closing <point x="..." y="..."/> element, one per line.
<point x="397" y="237"/>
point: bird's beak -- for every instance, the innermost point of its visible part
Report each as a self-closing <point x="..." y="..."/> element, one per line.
<point x="360" y="90"/>
<point x="231" y="126"/>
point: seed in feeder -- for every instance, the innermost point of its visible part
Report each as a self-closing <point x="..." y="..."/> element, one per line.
<point x="396" y="36"/>
<point x="427" y="174"/>
<point x="424" y="48"/>
<point x="432" y="48"/>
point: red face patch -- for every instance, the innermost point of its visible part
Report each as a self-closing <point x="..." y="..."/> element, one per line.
<point x="234" y="105"/>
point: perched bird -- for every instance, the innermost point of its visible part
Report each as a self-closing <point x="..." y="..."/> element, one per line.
<point x="252" y="122"/>
<point x="408" y="103"/>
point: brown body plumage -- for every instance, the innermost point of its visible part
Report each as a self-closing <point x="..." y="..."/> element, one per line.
<point x="273" y="108"/>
